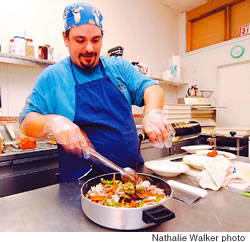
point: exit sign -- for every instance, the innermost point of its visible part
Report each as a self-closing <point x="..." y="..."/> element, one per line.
<point x="244" y="30"/>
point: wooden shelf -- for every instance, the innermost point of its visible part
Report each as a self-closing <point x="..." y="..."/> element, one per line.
<point x="24" y="60"/>
<point x="172" y="83"/>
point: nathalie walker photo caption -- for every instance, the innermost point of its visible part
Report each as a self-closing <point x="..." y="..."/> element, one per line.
<point x="200" y="237"/>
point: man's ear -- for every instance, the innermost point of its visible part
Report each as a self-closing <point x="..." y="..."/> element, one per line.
<point x="65" y="38"/>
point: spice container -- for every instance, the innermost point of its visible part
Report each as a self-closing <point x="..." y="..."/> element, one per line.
<point x="19" y="45"/>
<point x="50" y="52"/>
<point x="12" y="47"/>
<point x="29" y="48"/>
<point x="43" y="52"/>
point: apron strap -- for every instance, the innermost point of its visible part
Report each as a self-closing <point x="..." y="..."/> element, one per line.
<point x="101" y="66"/>
<point x="73" y="73"/>
<point x="102" y="69"/>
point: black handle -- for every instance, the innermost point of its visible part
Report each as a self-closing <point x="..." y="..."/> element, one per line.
<point x="142" y="136"/>
<point x="177" y="159"/>
<point x="157" y="215"/>
<point x="232" y="133"/>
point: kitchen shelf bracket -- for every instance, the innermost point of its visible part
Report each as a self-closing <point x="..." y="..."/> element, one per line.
<point x="172" y="83"/>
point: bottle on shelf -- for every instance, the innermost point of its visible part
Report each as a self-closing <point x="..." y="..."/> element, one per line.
<point x="19" y="45"/>
<point x="11" y="47"/>
<point x="29" y="48"/>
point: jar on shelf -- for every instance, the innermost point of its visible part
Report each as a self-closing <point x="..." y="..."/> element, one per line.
<point x="19" y="44"/>
<point x="50" y="52"/>
<point x="11" y="47"/>
<point x="43" y="52"/>
<point x="29" y="48"/>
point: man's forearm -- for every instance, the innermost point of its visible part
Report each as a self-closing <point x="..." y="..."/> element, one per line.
<point x="33" y="125"/>
<point x="153" y="98"/>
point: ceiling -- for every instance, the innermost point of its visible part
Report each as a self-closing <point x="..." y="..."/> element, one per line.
<point x="181" y="6"/>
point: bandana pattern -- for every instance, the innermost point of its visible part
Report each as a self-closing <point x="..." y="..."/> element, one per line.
<point x="81" y="13"/>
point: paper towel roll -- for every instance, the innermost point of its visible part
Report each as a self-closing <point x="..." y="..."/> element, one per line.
<point x="188" y="188"/>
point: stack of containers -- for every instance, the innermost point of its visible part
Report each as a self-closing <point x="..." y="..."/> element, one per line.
<point x="178" y="112"/>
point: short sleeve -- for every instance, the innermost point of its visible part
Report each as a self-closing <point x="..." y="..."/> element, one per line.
<point x="136" y="83"/>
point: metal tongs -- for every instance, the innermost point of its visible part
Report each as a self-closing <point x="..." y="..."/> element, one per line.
<point x="127" y="173"/>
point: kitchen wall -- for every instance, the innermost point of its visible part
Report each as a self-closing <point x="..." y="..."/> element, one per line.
<point x="147" y="29"/>
<point x="16" y="83"/>
<point x="206" y="67"/>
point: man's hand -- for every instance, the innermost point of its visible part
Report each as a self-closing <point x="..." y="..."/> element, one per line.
<point x="68" y="134"/>
<point x="158" y="129"/>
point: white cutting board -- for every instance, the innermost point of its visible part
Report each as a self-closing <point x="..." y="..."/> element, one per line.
<point x="243" y="167"/>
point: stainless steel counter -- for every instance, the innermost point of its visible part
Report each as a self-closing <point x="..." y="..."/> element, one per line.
<point x="58" y="208"/>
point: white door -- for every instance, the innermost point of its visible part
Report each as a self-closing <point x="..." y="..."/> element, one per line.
<point x="234" y="94"/>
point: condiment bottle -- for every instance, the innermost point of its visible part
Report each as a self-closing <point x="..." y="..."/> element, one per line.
<point x="48" y="47"/>
<point x="180" y="131"/>
<point x="43" y="52"/>
<point x="29" y="48"/>
<point x="12" y="47"/>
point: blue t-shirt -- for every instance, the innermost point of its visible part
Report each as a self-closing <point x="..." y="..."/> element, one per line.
<point x="54" y="91"/>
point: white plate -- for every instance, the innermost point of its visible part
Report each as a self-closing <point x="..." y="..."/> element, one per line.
<point x="194" y="148"/>
<point x="228" y="155"/>
<point x="166" y="167"/>
<point x="197" y="161"/>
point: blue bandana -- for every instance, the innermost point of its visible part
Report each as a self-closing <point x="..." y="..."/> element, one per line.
<point x="80" y="13"/>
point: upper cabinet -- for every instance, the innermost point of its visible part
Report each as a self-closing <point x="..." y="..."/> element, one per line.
<point x="24" y="60"/>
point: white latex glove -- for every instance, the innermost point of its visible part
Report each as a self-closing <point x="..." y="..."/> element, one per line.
<point x="158" y="129"/>
<point x="68" y="134"/>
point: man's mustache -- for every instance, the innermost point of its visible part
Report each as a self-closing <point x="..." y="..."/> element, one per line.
<point x="88" y="54"/>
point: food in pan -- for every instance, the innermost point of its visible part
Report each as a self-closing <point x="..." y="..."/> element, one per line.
<point x="25" y="142"/>
<point x="115" y="193"/>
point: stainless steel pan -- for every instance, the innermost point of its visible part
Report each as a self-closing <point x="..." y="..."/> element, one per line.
<point x="127" y="218"/>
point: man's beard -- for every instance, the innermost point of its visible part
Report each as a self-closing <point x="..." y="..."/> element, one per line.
<point x="90" y="66"/>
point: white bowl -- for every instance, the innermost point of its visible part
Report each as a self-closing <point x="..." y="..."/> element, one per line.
<point x="166" y="167"/>
<point x="194" y="148"/>
<point x="206" y="93"/>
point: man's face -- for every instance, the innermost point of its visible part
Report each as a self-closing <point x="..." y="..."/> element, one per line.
<point x="84" y="44"/>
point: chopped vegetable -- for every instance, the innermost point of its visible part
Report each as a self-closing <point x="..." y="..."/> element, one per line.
<point x="103" y="181"/>
<point x="115" y="193"/>
<point x="97" y="198"/>
<point x="142" y="202"/>
<point x="245" y="194"/>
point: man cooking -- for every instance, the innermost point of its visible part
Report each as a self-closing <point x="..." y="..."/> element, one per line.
<point x="85" y="100"/>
